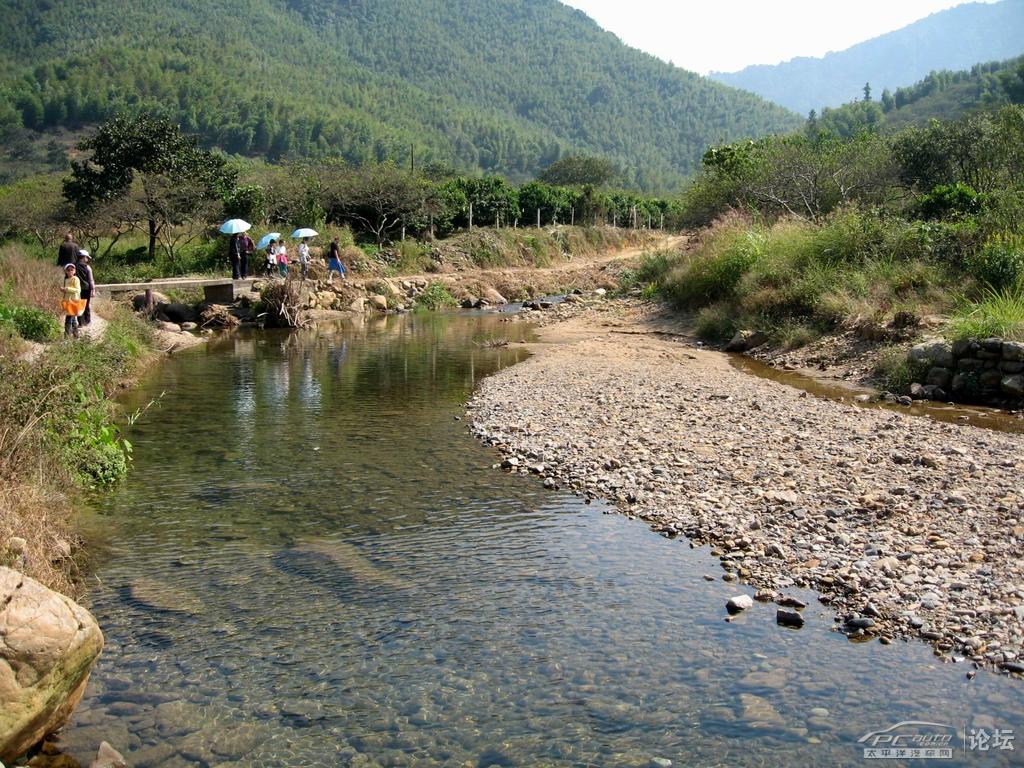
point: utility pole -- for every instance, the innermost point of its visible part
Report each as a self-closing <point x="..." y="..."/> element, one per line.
<point x="412" y="159"/>
<point x="538" y="218"/>
<point x="572" y="216"/>
<point x="471" y="217"/>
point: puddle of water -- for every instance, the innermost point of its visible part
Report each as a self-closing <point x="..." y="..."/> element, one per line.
<point x="314" y="564"/>
<point x="976" y="416"/>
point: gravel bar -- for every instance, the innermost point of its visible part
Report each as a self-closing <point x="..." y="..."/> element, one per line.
<point x="905" y="526"/>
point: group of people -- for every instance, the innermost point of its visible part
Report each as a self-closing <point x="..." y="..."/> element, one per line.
<point x="241" y="250"/>
<point x="79" y="287"/>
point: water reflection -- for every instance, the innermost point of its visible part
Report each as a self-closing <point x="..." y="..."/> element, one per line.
<point x="343" y="579"/>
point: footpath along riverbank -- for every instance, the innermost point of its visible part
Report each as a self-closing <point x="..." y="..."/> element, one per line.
<point x="907" y="527"/>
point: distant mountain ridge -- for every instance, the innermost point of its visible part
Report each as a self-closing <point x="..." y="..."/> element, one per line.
<point x="953" y="39"/>
<point x="499" y="86"/>
<point x="942" y="95"/>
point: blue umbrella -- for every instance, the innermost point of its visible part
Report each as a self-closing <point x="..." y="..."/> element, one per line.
<point x="299" y="233"/>
<point x="234" y="226"/>
<point x="265" y="240"/>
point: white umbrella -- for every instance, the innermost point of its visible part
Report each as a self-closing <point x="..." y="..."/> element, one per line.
<point x="265" y="240"/>
<point x="300" y="233"/>
<point x="234" y="226"/>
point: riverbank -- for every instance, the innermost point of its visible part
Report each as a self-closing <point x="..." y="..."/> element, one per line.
<point x="58" y="422"/>
<point x="905" y="526"/>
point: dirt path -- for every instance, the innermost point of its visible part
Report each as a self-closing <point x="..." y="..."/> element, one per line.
<point x="906" y="526"/>
<point x="574" y="263"/>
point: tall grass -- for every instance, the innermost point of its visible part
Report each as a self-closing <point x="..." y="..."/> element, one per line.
<point x="999" y="313"/>
<point x="795" y="280"/>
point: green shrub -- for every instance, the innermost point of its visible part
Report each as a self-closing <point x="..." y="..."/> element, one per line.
<point x="949" y="201"/>
<point x="92" y="446"/>
<point x="716" y="323"/>
<point x="28" y="322"/>
<point x="949" y="242"/>
<point x="714" y="273"/>
<point x="80" y="425"/>
<point x="650" y="273"/>
<point x="435" y="296"/>
<point x="1000" y="262"/>
<point x="896" y="371"/>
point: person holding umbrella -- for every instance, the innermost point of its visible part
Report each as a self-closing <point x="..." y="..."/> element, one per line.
<point x="236" y="250"/>
<point x="304" y="256"/>
<point x="304" y="233"/>
<point x="235" y="255"/>
<point x="268" y="244"/>
<point x="248" y="249"/>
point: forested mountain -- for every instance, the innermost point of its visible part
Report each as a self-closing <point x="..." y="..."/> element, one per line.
<point x="949" y="40"/>
<point x="502" y="86"/>
<point x="941" y="96"/>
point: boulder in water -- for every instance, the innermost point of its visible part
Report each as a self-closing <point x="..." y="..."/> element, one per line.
<point x="48" y="645"/>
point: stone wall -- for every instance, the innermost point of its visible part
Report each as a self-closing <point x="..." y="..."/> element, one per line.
<point x="980" y="371"/>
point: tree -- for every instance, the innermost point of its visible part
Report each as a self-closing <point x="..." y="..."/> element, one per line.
<point x="150" y="161"/>
<point x="33" y="207"/>
<point x="578" y="170"/>
<point x="492" y="198"/>
<point x="381" y="199"/>
<point x="794" y="176"/>
<point x="981" y="151"/>
<point x="867" y="91"/>
<point x="888" y="102"/>
<point x="554" y="203"/>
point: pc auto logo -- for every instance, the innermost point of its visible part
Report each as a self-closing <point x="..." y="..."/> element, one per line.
<point x="908" y="740"/>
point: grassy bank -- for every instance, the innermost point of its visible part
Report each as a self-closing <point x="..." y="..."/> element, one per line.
<point x="796" y="280"/>
<point x="58" y="424"/>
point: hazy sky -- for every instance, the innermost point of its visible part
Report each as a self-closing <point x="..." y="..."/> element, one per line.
<point x="726" y="35"/>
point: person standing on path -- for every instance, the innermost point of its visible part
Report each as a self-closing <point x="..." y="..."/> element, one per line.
<point x="235" y="255"/>
<point x="85" y="277"/>
<point x="71" y="301"/>
<point x="270" y="266"/>
<point x="248" y="250"/>
<point x="334" y="262"/>
<point x="68" y="251"/>
<point x="304" y="256"/>
<point x="282" y="258"/>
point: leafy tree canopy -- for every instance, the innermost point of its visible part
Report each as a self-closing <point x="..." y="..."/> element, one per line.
<point x="579" y="170"/>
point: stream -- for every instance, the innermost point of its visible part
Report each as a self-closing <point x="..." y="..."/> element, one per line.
<point x="313" y="563"/>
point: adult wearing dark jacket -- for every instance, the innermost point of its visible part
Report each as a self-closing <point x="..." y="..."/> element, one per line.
<point x="235" y="252"/>
<point x="88" y="286"/>
<point x="248" y="249"/>
<point x="68" y="251"/>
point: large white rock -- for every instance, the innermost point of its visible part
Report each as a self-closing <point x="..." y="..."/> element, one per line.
<point x="48" y="645"/>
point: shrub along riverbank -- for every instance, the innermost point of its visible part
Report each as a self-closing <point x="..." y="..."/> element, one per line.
<point x="815" y="235"/>
<point x="58" y="423"/>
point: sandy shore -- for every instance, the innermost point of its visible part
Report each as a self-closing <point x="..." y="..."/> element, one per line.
<point x="904" y="525"/>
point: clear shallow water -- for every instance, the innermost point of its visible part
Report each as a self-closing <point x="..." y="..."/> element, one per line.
<point x="314" y="564"/>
